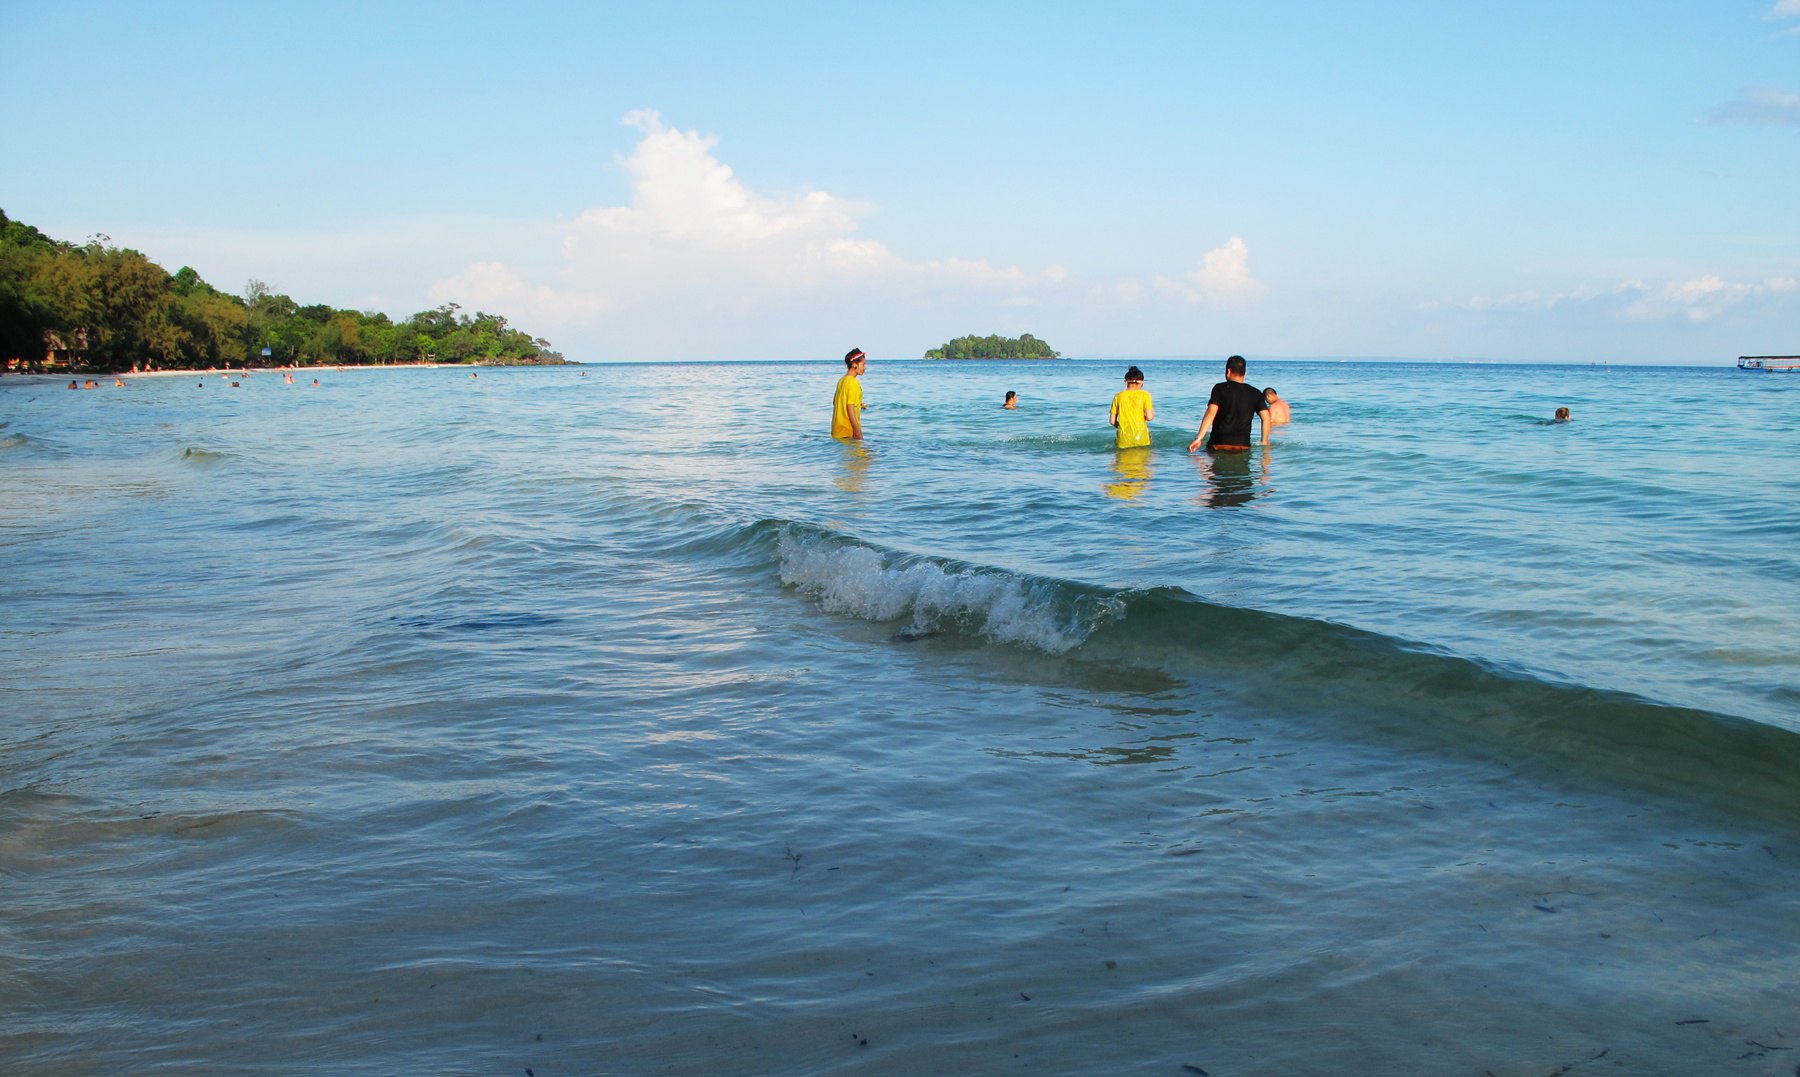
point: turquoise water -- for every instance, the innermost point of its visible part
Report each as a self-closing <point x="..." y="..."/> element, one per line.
<point x="625" y="722"/>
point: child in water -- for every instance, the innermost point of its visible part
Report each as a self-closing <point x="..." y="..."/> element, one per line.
<point x="1133" y="411"/>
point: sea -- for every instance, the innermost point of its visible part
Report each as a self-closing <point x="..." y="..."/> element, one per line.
<point x="615" y="719"/>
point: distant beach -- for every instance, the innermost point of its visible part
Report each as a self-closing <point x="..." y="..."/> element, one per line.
<point x="313" y="371"/>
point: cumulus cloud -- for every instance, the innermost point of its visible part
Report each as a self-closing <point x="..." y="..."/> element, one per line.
<point x="1700" y="299"/>
<point x="1762" y="105"/>
<point x="696" y="240"/>
<point x="1223" y="278"/>
<point x="686" y="202"/>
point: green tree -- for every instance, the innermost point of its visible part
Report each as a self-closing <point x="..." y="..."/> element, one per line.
<point x="26" y="314"/>
<point x="112" y="308"/>
<point x="994" y="347"/>
<point x="215" y="326"/>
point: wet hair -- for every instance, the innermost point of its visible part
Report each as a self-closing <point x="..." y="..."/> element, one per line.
<point x="1269" y="391"/>
<point x="851" y="356"/>
<point x="1134" y="374"/>
<point x="1010" y="394"/>
<point x="1235" y="365"/>
<point x="1562" y="413"/>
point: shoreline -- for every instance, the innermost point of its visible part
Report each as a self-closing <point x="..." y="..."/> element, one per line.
<point x="9" y="377"/>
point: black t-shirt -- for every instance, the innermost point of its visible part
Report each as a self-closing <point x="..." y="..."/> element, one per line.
<point x="1238" y="404"/>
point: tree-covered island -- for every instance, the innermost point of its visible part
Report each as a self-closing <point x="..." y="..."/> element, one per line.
<point x="994" y="347"/>
<point x="98" y="307"/>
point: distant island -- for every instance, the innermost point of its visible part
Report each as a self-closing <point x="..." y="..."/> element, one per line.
<point x="97" y="307"/>
<point x="993" y="347"/>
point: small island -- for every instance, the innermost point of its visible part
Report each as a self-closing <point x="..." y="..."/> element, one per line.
<point x="994" y="347"/>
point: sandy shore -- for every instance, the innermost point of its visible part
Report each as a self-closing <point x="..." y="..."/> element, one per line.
<point x="309" y="372"/>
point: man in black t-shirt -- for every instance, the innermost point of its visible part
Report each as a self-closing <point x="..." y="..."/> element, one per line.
<point x="1229" y="411"/>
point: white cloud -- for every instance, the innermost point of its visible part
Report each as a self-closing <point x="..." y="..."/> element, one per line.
<point x="696" y="253"/>
<point x="1698" y="300"/>
<point x="1223" y="278"/>
<point x="979" y="272"/>
<point x="1786" y="9"/>
<point x="495" y="286"/>
<point x="1538" y="301"/>
<point x="1761" y="105"/>
<point x="1703" y="298"/>
<point x="685" y="202"/>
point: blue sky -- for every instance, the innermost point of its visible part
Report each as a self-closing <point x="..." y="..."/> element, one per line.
<point x="1555" y="182"/>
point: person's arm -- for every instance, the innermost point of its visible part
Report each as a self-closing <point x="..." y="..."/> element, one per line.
<point x="1206" y="422"/>
<point x="1263" y="423"/>
<point x="1149" y="411"/>
<point x="1112" y="417"/>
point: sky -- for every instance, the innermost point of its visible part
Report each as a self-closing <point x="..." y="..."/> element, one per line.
<point x="1570" y="181"/>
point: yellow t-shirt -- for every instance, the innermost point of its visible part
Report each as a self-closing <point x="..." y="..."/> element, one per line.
<point x="846" y="403"/>
<point x="1130" y="408"/>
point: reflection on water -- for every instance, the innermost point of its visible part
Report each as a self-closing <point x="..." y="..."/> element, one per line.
<point x="1232" y="478"/>
<point x="855" y="467"/>
<point x="1133" y="468"/>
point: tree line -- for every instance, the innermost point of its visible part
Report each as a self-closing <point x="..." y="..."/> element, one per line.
<point x="105" y="308"/>
<point x="994" y="347"/>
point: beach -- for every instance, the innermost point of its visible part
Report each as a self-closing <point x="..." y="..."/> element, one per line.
<point x="106" y="378"/>
<point x="617" y="719"/>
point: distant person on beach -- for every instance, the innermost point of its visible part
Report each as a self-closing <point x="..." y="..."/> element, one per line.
<point x="847" y="403"/>
<point x="1011" y="403"/>
<point x="1234" y="404"/>
<point x="1132" y="412"/>
<point x="1562" y="415"/>
<point x="1278" y="408"/>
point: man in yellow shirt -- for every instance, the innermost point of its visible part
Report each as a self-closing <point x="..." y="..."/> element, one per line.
<point x="847" y="403"/>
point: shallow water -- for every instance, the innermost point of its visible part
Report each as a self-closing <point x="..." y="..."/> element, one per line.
<point x="627" y="723"/>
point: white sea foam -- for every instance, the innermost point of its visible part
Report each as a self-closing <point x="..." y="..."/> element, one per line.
<point x="857" y="580"/>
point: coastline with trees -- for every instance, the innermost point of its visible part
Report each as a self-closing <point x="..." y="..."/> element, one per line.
<point x="99" y="308"/>
<point x="994" y="347"/>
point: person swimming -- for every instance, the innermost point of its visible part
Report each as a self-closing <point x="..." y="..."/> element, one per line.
<point x="1011" y="402"/>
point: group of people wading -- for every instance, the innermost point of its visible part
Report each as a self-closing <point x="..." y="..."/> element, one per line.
<point x="1234" y="405"/>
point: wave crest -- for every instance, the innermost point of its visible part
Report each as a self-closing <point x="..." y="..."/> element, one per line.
<point x="858" y="580"/>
